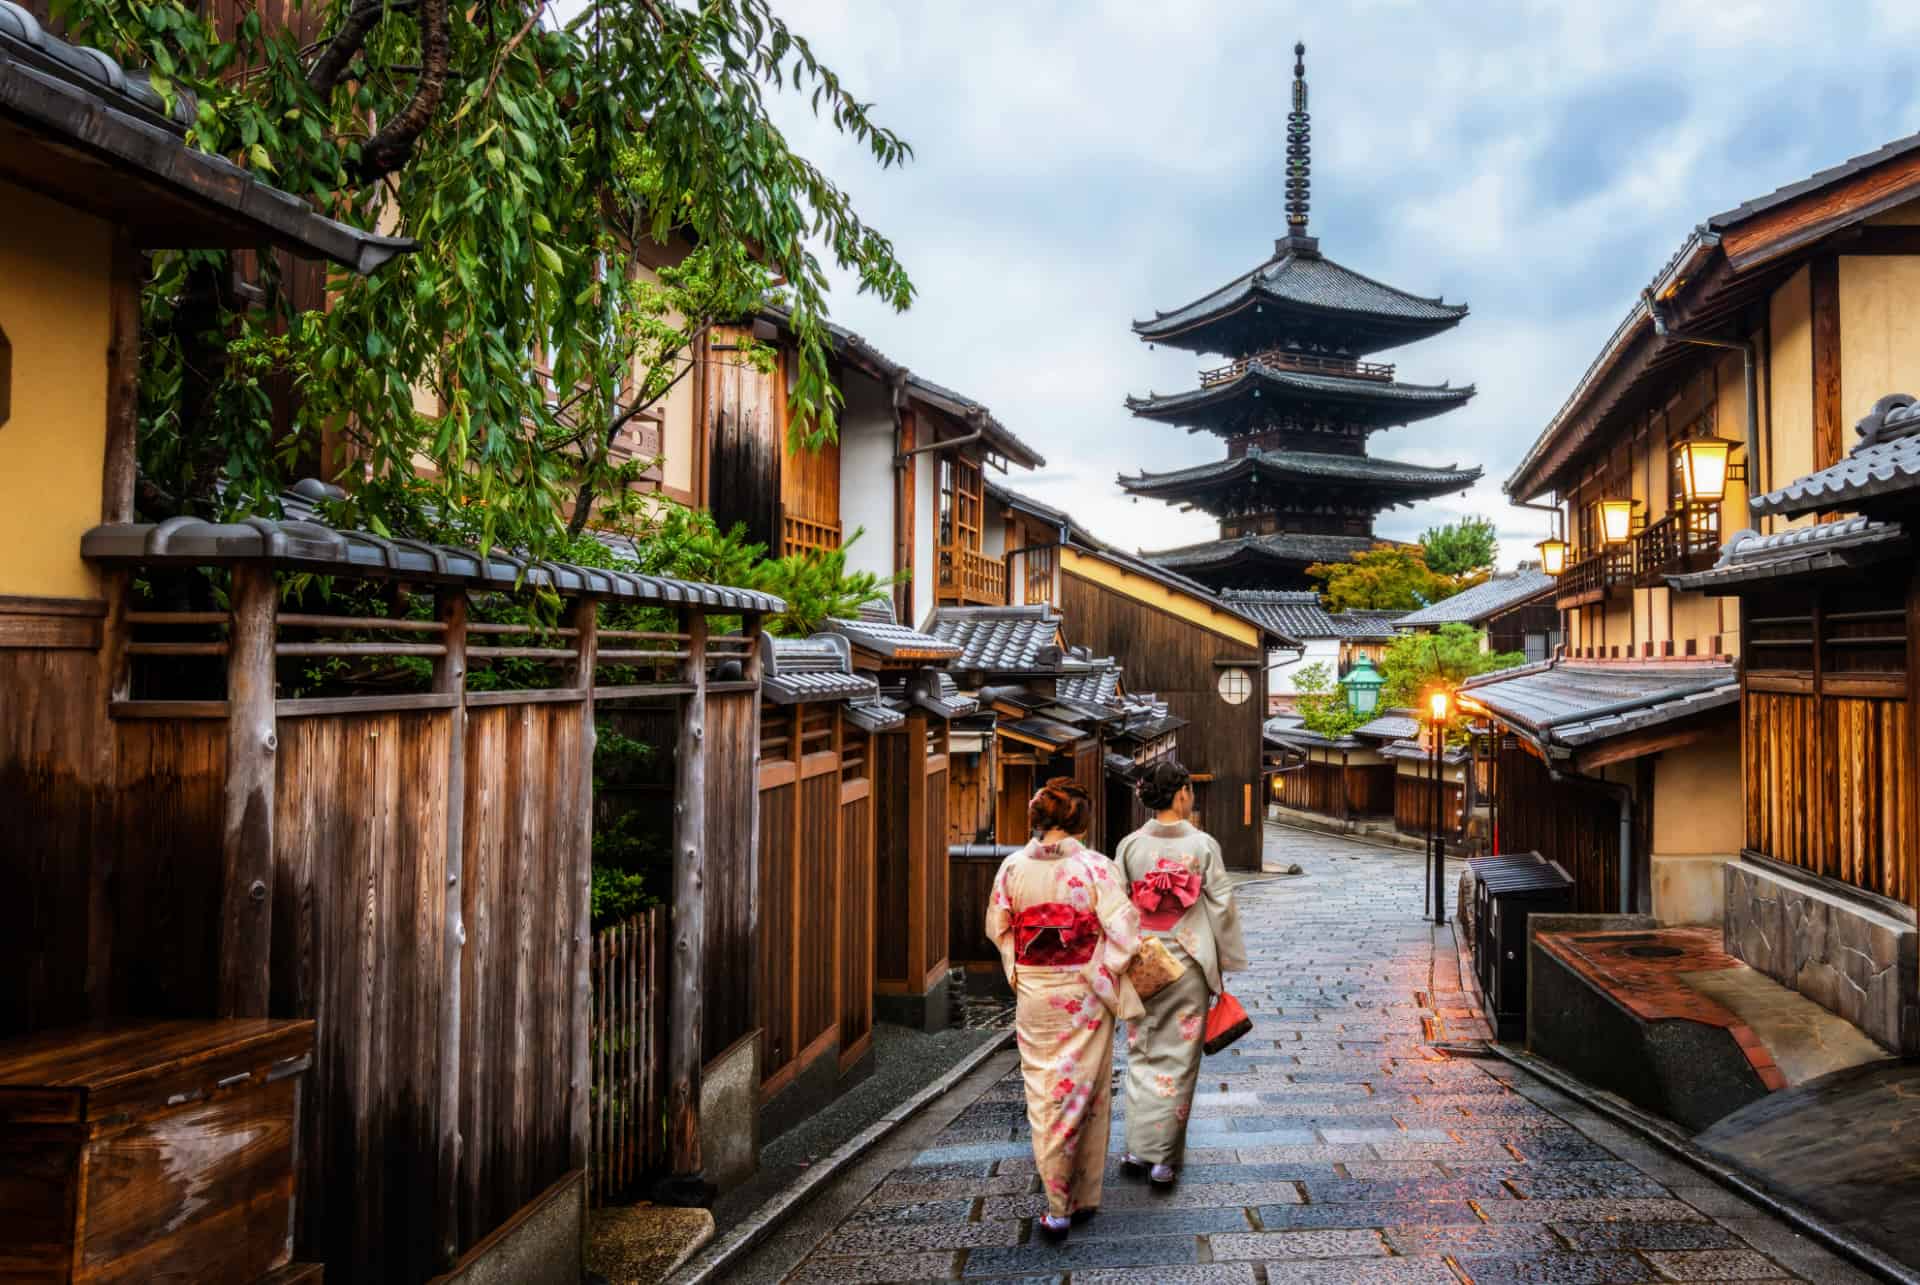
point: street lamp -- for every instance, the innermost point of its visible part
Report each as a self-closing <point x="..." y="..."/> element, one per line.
<point x="1705" y="468"/>
<point x="1553" y="555"/>
<point x="1362" y="686"/>
<point x="1439" y="709"/>
<point x="1616" y="520"/>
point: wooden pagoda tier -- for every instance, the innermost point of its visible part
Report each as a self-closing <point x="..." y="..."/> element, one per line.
<point x="1266" y="482"/>
<point x="1299" y="297"/>
<point x="1286" y="391"/>
<point x="1276" y="560"/>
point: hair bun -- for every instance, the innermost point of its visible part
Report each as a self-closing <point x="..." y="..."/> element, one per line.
<point x="1061" y="804"/>
<point x="1160" y="781"/>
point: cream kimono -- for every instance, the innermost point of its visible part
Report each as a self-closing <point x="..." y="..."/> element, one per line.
<point x="1178" y="881"/>
<point x="1066" y="933"/>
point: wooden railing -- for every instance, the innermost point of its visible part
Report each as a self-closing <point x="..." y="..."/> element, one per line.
<point x="1040" y="566"/>
<point x="628" y="1054"/>
<point x="1312" y="363"/>
<point x="970" y="577"/>
<point x="800" y="534"/>
<point x="1684" y="540"/>
<point x="1584" y="581"/>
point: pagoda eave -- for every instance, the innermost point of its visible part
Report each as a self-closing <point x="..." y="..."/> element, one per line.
<point x="1260" y="561"/>
<point x="1261" y="395"/>
<point x="1260" y="321"/>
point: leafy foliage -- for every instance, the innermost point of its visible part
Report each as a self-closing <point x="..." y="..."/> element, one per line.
<point x="630" y="854"/>
<point x="1385" y="577"/>
<point x="1463" y="548"/>
<point x="1414" y="664"/>
<point x="1322" y="702"/>
<point x="533" y="163"/>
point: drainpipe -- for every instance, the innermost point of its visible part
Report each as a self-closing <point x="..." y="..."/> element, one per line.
<point x="1745" y="348"/>
<point x="902" y="538"/>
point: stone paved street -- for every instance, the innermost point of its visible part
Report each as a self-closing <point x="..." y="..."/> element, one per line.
<point x="1334" y="1144"/>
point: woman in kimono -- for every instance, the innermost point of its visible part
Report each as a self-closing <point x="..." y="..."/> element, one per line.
<point x="1178" y="881"/>
<point x="1066" y="933"/>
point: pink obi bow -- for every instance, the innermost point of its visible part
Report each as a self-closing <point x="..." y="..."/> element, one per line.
<point x="1054" y="934"/>
<point x="1165" y="893"/>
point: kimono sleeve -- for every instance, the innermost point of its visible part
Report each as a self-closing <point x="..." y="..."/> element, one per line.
<point x="1000" y="915"/>
<point x="1223" y="913"/>
<point x="1119" y="943"/>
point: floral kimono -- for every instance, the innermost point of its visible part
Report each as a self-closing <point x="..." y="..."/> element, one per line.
<point x="1066" y="933"/>
<point x="1178" y="882"/>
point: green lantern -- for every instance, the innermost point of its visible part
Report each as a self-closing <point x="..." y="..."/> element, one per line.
<point x="1362" y="686"/>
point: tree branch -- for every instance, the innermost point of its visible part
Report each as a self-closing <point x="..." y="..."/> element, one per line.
<point x="392" y="147"/>
<point x="347" y="42"/>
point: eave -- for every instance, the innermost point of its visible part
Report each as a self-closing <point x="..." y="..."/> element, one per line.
<point x="1256" y="396"/>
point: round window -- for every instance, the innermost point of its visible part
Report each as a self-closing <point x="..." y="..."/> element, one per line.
<point x="1236" y="686"/>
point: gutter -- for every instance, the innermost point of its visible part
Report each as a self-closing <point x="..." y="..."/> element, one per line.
<point x="1745" y="348"/>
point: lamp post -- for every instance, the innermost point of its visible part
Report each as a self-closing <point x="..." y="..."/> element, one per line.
<point x="1362" y="686"/>
<point x="1439" y="706"/>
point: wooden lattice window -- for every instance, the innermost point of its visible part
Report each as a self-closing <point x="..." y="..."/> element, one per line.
<point x="1779" y="629"/>
<point x="1863" y="632"/>
<point x="961" y="487"/>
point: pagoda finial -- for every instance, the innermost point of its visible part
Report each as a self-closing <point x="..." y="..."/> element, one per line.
<point x="1299" y="163"/>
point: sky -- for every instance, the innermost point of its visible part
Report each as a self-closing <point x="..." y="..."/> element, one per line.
<point x="1079" y="164"/>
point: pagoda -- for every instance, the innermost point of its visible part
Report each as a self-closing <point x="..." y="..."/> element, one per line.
<point x="1295" y="403"/>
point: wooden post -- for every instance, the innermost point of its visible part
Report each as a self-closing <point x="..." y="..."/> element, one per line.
<point x="450" y="678"/>
<point x="246" y="890"/>
<point x="123" y="379"/>
<point x="751" y="672"/>
<point x="1912" y="845"/>
<point x="586" y="620"/>
<point x="686" y="1183"/>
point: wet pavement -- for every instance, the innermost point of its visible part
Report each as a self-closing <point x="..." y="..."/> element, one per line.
<point x="1335" y="1143"/>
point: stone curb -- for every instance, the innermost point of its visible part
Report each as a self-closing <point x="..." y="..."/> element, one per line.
<point x="1307" y="821"/>
<point x="1656" y="1131"/>
<point x="730" y="1248"/>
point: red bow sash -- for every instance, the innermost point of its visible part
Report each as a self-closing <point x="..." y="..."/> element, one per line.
<point x="1054" y="933"/>
<point x="1164" y="895"/>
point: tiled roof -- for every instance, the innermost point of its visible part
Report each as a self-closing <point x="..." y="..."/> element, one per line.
<point x="1487" y="599"/>
<point x="935" y="691"/>
<point x="1394" y="725"/>
<point x="1101" y="687"/>
<point x="1283" y="546"/>
<point x="1408" y="401"/>
<point x="1296" y="613"/>
<point x="890" y="641"/>
<point x="1408" y="748"/>
<point x="301" y="542"/>
<point x="1050" y="732"/>
<point x="1885" y="463"/>
<point x="1000" y="639"/>
<point x="1366" y="625"/>
<point x="1307" y="466"/>
<point x="118" y="144"/>
<point x="1751" y="558"/>
<point x="820" y="668"/>
<point x="1310" y="281"/>
<point x="1563" y="705"/>
<point x="874" y="715"/>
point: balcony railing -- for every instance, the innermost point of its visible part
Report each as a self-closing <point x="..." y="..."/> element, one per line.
<point x="1591" y="578"/>
<point x="970" y="578"/>
<point x="1312" y="363"/>
<point x="799" y="535"/>
<point x="1684" y="540"/>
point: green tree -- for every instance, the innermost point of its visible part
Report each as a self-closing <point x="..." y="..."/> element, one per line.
<point x="1386" y="577"/>
<point x="532" y="160"/>
<point x="1414" y="664"/>
<point x="1461" y="549"/>
<point x="1322" y="702"/>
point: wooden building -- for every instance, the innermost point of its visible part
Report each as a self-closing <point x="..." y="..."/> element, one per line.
<point x="1295" y="404"/>
<point x="1826" y="890"/>
<point x="1767" y="332"/>
<point x="1305" y="633"/>
<point x="908" y="897"/>
<point x="1515" y="609"/>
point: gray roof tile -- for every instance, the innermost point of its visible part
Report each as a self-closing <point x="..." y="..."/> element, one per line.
<point x="1751" y="558"/>
<point x="892" y="642"/>
<point x="1311" y="281"/>
<point x="1306" y="466"/>
<point x="1411" y="401"/>
<point x="1563" y="705"/>
<point x="1295" y="613"/>
<point x="1283" y="546"/>
<point x="1885" y="463"/>
<point x="1008" y="640"/>
<point x="819" y="668"/>
<point x="1487" y="599"/>
<point x="1394" y="725"/>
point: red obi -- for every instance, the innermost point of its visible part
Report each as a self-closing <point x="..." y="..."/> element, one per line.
<point x="1164" y="895"/>
<point x="1054" y="933"/>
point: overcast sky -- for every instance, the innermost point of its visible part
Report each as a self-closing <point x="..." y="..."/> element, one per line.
<point x="1080" y="164"/>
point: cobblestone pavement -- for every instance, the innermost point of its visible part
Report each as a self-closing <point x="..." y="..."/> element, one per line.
<point x="1334" y="1144"/>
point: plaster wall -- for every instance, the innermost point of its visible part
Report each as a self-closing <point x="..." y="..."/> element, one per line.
<point x="866" y="475"/>
<point x="1698" y="826"/>
<point x="1280" y="674"/>
<point x="926" y="516"/>
<point x="1879" y="332"/>
<point x="1790" y="370"/>
<point x="55" y="278"/>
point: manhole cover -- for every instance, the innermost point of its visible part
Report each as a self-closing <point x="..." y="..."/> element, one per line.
<point x="1607" y="938"/>
<point x="1654" y="952"/>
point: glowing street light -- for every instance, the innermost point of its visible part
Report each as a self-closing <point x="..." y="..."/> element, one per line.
<point x="1704" y="468"/>
<point x="1553" y="555"/>
<point x="1616" y="520"/>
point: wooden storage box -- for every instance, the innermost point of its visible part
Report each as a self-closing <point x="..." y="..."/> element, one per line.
<point x="151" y="1151"/>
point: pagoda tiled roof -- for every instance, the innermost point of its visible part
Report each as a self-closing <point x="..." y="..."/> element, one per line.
<point x="1377" y="403"/>
<point x="1281" y="546"/>
<point x="1310" y="282"/>
<point x="1305" y="466"/>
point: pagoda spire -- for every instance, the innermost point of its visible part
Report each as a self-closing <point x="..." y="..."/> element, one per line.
<point x="1299" y="164"/>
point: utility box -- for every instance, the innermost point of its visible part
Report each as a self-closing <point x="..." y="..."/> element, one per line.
<point x="1508" y="889"/>
<point x="152" y="1151"/>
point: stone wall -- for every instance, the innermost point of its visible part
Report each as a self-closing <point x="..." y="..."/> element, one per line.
<point x="1850" y="959"/>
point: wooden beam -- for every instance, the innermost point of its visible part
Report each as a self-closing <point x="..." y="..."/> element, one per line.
<point x="1807" y="218"/>
<point x="128" y="274"/>
<point x="450" y="682"/>
<point x="1828" y="432"/>
<point x="1911" y="848"/>
<point x="687" y="1181"/>
<point x="246" y="889"/>
<point x="586" y="623"/>
<point x="1652" y="741"/>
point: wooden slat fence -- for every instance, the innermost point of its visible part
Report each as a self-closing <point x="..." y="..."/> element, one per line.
<point x="628" y="1051"/>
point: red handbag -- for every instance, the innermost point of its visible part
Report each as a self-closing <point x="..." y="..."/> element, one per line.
<point x="1226" y="1022"/>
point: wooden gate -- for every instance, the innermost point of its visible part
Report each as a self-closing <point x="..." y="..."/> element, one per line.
<point x="628" y="1053"/>
<point x="910" y="784"/>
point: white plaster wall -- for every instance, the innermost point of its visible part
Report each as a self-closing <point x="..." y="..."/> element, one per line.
<point x="925" y="517"/>
<point x="866" y="475"/>
<point x="1281" y="669"/>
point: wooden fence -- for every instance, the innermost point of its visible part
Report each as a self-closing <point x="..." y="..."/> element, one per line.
<point x="628" y="1053"/>
<point x="1413" y="805"/>
<point x="1336" y="791"/>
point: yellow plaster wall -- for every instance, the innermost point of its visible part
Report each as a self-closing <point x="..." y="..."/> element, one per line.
<point x="55" y="266"/>
<point x="1697" y="809"/>
<point x="1154" y="594"/>
<point x="1790" y="367"/>
<point x="1879" y="332"/>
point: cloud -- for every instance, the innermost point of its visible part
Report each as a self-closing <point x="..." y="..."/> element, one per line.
<point x="1079" y="164"/>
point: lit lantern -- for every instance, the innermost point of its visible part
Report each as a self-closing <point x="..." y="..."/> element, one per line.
<point x="1553" y="555"/>
<point x="1616" y="520"/>
<point x="1438" y="704"/>
<point x="1704" y="468"/>
<point x="1362" y="686"/>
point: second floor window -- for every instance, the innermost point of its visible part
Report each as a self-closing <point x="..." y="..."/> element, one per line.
<point x="960" y="503"/>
